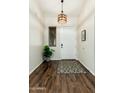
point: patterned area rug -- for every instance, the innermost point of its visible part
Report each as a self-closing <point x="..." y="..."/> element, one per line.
<point x="70" y="67"/>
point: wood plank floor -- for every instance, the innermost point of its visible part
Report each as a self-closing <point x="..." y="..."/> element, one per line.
<point x="45" y="79"/>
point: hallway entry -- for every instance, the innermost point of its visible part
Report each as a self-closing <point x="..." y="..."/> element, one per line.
<point x="65" y="42"/>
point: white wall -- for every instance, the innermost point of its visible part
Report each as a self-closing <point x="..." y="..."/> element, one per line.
<point x="86" y="49"/>
<point x="36" y="29"/>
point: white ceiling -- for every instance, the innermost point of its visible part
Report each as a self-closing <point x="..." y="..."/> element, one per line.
<point x="77" y="11"/>
<point x="53" y="7"/>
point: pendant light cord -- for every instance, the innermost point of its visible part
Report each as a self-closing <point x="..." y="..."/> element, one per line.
<point x="62" y="6"/>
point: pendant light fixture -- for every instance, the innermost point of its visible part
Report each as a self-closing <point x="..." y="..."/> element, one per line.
<point x="62" y="18"/>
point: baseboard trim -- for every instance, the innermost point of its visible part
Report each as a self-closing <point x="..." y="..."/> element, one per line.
<point x="68" y="59"/>
<point x="86" y="68"/>
<point x="34" y="69"/>
<point x="65" y="60"/>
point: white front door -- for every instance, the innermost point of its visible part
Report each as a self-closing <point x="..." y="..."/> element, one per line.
<point x="67" y="43"/>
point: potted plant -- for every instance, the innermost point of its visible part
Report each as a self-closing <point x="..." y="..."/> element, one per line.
<point x="47" y="53"/>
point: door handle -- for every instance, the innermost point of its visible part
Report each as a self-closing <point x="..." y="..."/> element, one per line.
<point x="61" y="45"/>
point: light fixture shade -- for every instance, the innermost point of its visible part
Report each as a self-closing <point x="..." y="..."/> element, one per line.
<point x="62" y="18"/>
